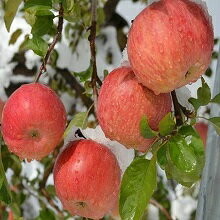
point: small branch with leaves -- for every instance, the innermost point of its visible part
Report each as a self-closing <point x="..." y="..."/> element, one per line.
<point x="52" y="45"/>
<point x="95" y="79"/>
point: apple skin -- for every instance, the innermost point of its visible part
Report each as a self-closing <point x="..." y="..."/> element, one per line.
<point x="202" y="129"/>
<point x="170" y="44"/>
<point x="33" y="121"/>
<point x="87" y="179"/>
<point x="121" y="105"/>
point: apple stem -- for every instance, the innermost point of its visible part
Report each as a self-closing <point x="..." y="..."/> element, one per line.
<point x="52" y="45"/>
<point x="177" y="109"/>
<point x="92" y="37"/>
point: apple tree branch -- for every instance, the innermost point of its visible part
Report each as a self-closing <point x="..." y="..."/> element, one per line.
<point x="92" y="37"/>
<point x="52" y="45"/>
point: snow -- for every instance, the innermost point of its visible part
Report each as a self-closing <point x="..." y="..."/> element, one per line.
<point x="31" y="59"/>
<point x="149" y="156"/>
<point x="68" y="101"/>
<point x="31" y="208"/>
<point x="29" y="170"/>
<point x="183" y="94"/>
<point x="129" y="10"/>
<point x="153" y="212"/>
<point x="111" y="45"/>
<point x="183" y="207"/>
<point x="124" y="60"/>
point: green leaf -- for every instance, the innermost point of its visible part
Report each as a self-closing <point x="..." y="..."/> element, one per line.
<point x="39" y="29"/>
<point x="195" y="102"/>
<point x="57" y="1"/>
<point x="79" y="120"/>
<point x="16" y="210"/>
<point x="5" y="193"/>
<point x="105" y="73"/>
<point x="182" y="157"/>
<point x="216" y="99"/>
<point x="46" y="214"/>
<point x="100" y="15"/>
<point x="167" y="124"/>
<point x="51" y="190"/>
<point x="216" y="123"/>
<point x="38" y="45"/>
<point x="161" y="157"/>
<point x="203" y="96"/>
<point x="11" y="161"/>
<point x="33" y="3"/>
<point x="204" y="93"/>
<point x="138" y="184"/>
<point x="208" y="72"/>
<point x="40" y="10"/>
<point x="5" y="215"/>
<point x="30" y="17"/>
<point x="88" y="88"/>
<point x="84" y="75"/>
<point x="216" y="40"/>
<point x="11" y="8"/>
<point x="15" y="36"/>
<point x="68" y="5"/>
<point x="73" y="14"/>
<point x="215" y="55"/>
<point x="145" y="129"/>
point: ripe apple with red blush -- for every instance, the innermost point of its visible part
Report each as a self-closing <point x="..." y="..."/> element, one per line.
<point x="122" y="103"/>
<point x="170" y="44"/>
<point x="33" y="121"/>
<point x="87" y="179"/>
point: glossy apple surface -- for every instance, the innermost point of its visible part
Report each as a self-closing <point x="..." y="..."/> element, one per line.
<point x="121" y="105"/>
<point x="170" y="44"/>
<point x="87" y="179"/>
<point x="33" y="121"/>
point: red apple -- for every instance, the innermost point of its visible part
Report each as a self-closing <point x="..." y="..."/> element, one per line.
<point x="33" y="121"/>
<point x="87" y="179"/>
<point x="121" y="105"/>
<point x="170" y="44"/>
<point x="202" y="129"/>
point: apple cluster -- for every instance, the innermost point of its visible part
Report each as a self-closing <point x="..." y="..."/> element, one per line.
<point x="86" y="174"/>
<point x="169" y="45"/>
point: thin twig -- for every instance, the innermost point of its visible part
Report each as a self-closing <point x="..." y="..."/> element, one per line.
<point x="178" y="115"/>
<point x="161" y="208"/>
<point x="52" y="45"/>
<point x="92" y="37"/>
